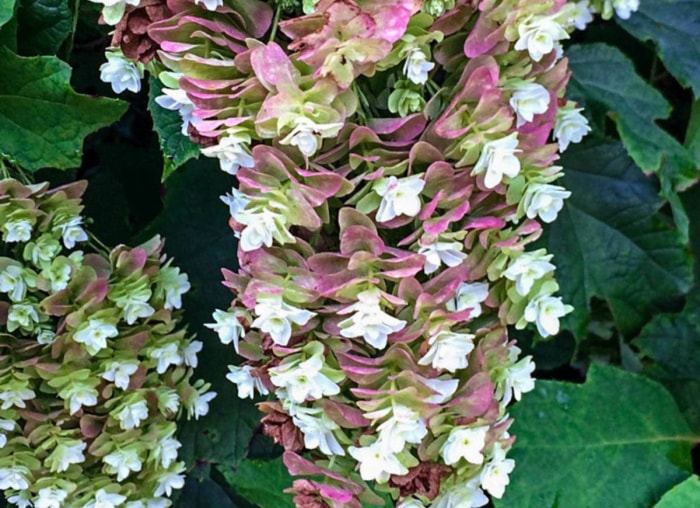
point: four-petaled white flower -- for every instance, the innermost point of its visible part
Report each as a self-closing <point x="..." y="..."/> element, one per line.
<point x="228" y="326"/>
<point x="200" y="405"/>
<point x="12" y="282"/>
<point x="623" y="8"/>
<point x="176" y="99"/>
<point x="498" y="159"/>
<point x="17" y="230"/>
<point x="544" y="200"/>
<point x="66" y="454"/>
<point x="539" y="35"/>
<point x="174" y="284"/>
<point x="303" y="380"/>
<point x="578" y="14"/>
<point x="79" y="395"/>
<point x="527" y="268"/>
<point x="318" y="429"/>
<point x="369" y="320"/>
<point x="104" y="499"/>
<point x="570" y="126"/>
<point x="123" y="462"/>
<point x="246" y="382"/>
<point x="16" y="398"/>
<point x="448" y="350"/>
<point x="405" y="425"/>
<point x="14" y="478"/>
<point x="21" y="499"/>
<point x="276" y="317"/>
<point x="72" y="231"/>
<point x="469" y="295"/>
<point x="236" y="201"/>
<point x="120" y="372"/>
<point x="417" y="66"/>
<point x="121" y="73"/>
<point x="528" y="100"/>
<point x="22" y="315"/>
<point x="232" y="152"/>
<point x="377" y="462"/>
<point x="94" y="334"/>
<point x="166" y="451"/>
<point x="190" y="353"/>
<point x="494" y="475"/>
<point x="166" y="356"/>
<point x="306" y="134"/>
<point x="263" y="226"/>
<point x="6" y="425"/>
<point x="399" y="196"/>
<point x="436" y="253"/>
<point x="50" y="498"/>
<point x="545" y="311"/>
<point x="169" y="481"/>
<point x="518" y="376"/>
<point x="131" y="415"/>
<point x="465" y="443"/>
<point x="462" y="495"/>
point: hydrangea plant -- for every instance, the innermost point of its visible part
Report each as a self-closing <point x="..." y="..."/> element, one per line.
<point x="394" y="160"/>
<point x="95" y="367"/>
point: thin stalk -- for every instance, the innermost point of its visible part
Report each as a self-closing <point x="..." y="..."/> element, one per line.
<point x="74" y="27"/>
<point x="275" y="22"/>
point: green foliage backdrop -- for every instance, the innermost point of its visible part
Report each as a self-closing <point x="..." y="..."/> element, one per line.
<point x="626" y="247"/>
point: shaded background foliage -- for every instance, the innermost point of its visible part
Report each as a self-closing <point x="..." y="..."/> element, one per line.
<point x="626" y="246"/>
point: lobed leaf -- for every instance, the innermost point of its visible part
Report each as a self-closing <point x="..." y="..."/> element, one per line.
<point x="42" y="120"/>
<point x="673" y="25"/>
<point x="683" y="495"/>
<point x="611" y="242"/>
<point x="618" y="436"/>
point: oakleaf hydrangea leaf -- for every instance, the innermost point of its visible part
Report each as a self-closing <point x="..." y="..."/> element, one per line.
<point x="177" y="148"/>
<point x="673" y="25"/>
<point x="603" y="74"/>
<point x="672" y="341"/>
<point x="246" y="479"/>
<point x="683" y="495"/>
<point x="42" y="120"/>
<point x="43" y="26"/>
<point x="7" y="9"/>
<point x="582" y="445"/>
<point x="611" y="242"/>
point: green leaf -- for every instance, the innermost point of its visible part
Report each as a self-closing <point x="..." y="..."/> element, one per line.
<point x="7" y="10"/>
<point x="42" y="120"/>
<point x="683" y="495"/>
<point x="177" y="148"/>
<point x="617" y="440"/>
<point x="672" y="341"/>
<point x="611" y="242"/>
<point x="43" y="26"/>
<point x="673" y="25"/>
<point x="261" y="482"/>
<point x="603" y="75"/>
<point x="195" y="225"/>
<point x="203" y="493"/>
<point x="692" y="135"/>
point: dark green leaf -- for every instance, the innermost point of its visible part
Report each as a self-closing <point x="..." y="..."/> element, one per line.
<point x="204" y="493"/>
<point x="603" y="74"/>
<point x="610" y="242"/>
<point x="43" y="26"/>
<point x="177" y="148"/>
<point x="672" y="341"/>
<point x="683" y="495"/>
<point x="692" y="137"/>
<point x="42" y="120"/>
<point x="673" y="25"/>
<point x="7" y="10"/>
<point x="195" y="225"/>
<point x="261" y="482"/>
<point x="617" y="440"/>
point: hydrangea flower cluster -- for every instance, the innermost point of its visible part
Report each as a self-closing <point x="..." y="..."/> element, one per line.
<point x="94" y="368"/>
<point x="394" y="161"/>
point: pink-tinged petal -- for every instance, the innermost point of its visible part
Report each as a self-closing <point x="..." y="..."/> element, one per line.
<point x="400" y="129"/>
<point x="358" y="238"/>
<point x="485" y="37"/>
<point x="274" y="69"/>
